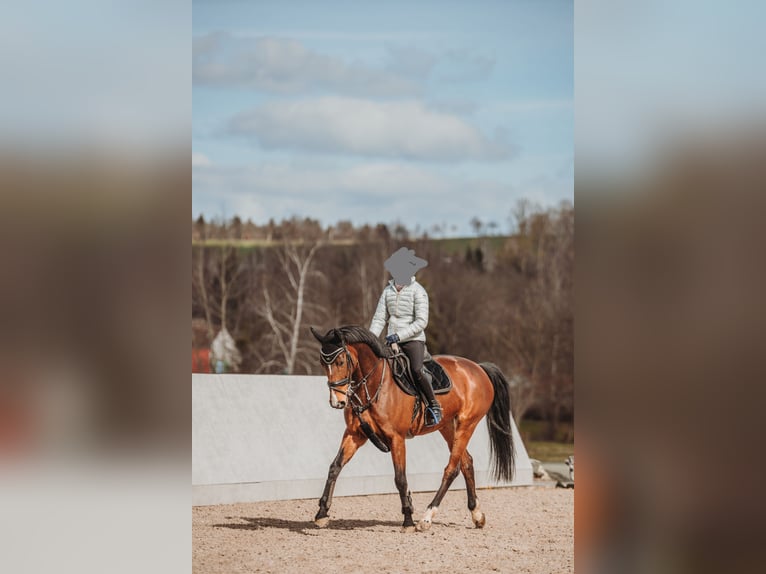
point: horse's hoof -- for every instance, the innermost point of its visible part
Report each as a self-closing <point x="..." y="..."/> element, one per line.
<point x="480" y="520"/>
<point x="408" y="529"/>
<point x="322" y="522"/>
<point x="423" y="525"/>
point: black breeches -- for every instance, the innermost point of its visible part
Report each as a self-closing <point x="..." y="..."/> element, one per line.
<point x="415" y="350"/>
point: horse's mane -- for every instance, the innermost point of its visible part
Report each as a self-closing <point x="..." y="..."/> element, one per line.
<point x="356" y="334"/>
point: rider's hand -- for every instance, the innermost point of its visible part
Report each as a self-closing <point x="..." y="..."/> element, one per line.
<point x="391" y="339"/>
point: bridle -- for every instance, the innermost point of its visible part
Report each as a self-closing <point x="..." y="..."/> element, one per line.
<point x="329" y="358"/>
<point x="358" y="402"/>
<point x="355" y="400"/>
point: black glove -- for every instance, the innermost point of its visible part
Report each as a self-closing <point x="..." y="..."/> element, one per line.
<point x="391" y="339"/>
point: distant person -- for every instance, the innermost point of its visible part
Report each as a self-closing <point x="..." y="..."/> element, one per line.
<point x="224" y="355"/>
<point x="403" y="306"/>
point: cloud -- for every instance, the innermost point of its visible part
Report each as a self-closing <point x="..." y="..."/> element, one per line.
<point x="372" y="192"/>
<point x="458" y="106"/>
<point x="206" y="45"/>
<point x="530" y="106"/>
<point x="461" y="66"/>
<point x="403" y="129"/>
<point x="547" y="189"/>
<point x="410" y="61"/>
<point x="200" y="160"/>
<point x="283" y="66"/>
<point x="310" y="182"/>
<point x="364" y="193"/>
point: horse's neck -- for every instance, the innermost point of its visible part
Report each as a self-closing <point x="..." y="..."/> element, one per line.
<point x="369" y="365"/>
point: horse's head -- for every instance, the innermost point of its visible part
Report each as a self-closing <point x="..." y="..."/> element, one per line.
<point x="339" y="365"/>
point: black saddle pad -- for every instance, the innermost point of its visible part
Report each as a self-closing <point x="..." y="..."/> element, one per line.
<point x="440" y="381"/>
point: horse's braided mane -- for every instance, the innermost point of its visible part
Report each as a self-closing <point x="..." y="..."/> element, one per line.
<point x="356" y="334"/>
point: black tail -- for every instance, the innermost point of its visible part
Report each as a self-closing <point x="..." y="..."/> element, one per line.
<point x="499" y="425"/>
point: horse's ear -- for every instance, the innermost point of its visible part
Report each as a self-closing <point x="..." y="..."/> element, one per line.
<point x="316" y="334"/>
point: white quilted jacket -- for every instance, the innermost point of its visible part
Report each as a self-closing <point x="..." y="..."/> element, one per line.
<point x="405" y="311"/>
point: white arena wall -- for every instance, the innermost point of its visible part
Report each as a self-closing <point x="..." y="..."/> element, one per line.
<point x="270" y="437"/>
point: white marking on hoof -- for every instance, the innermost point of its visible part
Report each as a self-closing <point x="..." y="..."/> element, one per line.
<point x="425" y="524"/>
<point x="322" y="522"/>
<point x="479" y="520"/>
<point x="408" y="529"/>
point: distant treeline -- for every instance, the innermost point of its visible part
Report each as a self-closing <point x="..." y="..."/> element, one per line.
<point x="306" y="228"/>
<point x="504" y="299"/>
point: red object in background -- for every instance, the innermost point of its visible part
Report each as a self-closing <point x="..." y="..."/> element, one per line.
<point x="17" y="425"/>
<point x="201" y="361"/>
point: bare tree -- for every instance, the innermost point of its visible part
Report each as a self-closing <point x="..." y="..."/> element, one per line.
<point x="285" y="314"/>
<point x="539" y="333"/>
<point x="373" y="278"/>
<point x="217" y="281"/>
<point x="523" y="393"/>
<point x="367" y="295"/>
<point x="477" y="225"/>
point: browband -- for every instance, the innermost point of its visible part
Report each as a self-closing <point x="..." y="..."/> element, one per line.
<point x="328" y="358"/>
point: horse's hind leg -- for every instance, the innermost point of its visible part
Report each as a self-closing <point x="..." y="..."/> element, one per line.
<point x="348" y="446"/>
<point x="457" y="449"/>
<point x="466" y="467"/>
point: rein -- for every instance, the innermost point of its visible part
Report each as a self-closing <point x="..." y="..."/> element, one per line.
<point x="352" y="395"/>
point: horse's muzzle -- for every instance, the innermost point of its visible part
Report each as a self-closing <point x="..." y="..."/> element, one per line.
<point x="335" y="402"/>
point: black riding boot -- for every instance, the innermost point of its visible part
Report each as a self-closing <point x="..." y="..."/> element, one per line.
<point x="433" y="409"/>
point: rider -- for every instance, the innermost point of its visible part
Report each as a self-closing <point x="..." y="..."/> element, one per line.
<point x="404" y="306"/>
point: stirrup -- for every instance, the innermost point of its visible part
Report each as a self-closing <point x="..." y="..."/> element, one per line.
<point x="433" y="415"/>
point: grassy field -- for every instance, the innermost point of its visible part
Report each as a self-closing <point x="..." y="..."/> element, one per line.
<point x="547" y="450"/>
<point x="458" y="245"/>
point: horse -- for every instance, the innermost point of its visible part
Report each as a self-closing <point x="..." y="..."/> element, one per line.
<point x="359" y="376"/>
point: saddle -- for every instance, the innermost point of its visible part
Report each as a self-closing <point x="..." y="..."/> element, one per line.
<point x="400" y="368"/>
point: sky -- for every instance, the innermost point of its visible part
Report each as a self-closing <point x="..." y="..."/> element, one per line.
<point x="421" y="113"/>
<point x="656" y="75"/>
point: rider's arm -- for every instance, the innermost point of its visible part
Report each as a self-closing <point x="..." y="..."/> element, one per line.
<point x="380" y="318"/>
<point x="420" y="303"/>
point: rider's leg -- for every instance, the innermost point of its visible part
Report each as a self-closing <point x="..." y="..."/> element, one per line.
<point x="433" y="417"/>
<point x="415" y="351"/>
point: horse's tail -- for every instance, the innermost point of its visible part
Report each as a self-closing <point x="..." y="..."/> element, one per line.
<point x="499" y="425"/>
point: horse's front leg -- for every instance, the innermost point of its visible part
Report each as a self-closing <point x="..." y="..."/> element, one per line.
<point x="348" y="446"/>
<point x="399" y="457"/>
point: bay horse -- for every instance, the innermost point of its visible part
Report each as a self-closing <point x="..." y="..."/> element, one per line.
<point x="375" y="408"/>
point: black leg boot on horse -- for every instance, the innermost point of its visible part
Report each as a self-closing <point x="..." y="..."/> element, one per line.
<point x="433" y="408"/>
